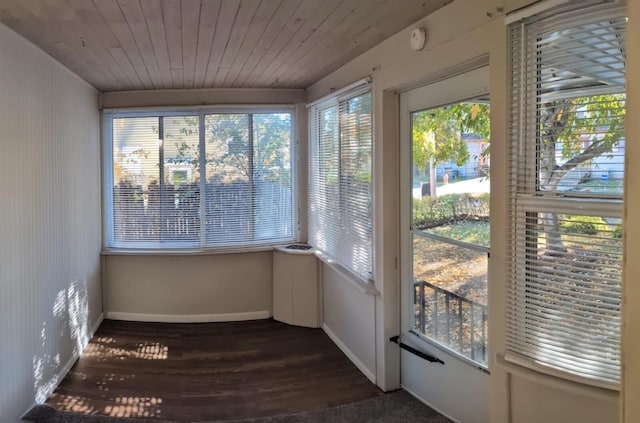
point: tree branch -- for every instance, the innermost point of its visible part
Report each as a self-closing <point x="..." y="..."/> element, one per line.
<point x="593" y="151"/>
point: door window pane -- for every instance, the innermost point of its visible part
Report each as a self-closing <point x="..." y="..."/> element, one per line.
<point x="450" y="225"/>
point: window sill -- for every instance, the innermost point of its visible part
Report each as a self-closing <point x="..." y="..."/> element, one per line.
<point x="287" y="249"/>
<point x="184" y="251"/>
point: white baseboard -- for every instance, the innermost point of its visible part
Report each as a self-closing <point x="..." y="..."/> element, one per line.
<point x="96" y="325"/>
<point x="59" y="377"/>
<point x="422" y="400"/>
<point x="354" y="359"/>
<point x="189" y="318"/>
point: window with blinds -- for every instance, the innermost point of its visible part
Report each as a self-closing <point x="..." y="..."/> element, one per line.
<point x="198" y="179"/>
<point x="340" y="206"/>
<point x="567" y="117"/>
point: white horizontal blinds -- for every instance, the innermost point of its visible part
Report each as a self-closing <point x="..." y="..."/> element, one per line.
<point x="568" y="166"/>
<point x="155" y="181"/>
<point x="165" y="195"/>
<point x="180" y="188"/>
<point x="228" y="175"/>
<point x="566" y="311"/>
<point x="249" y="194"/>
<point x="355" y="184"/>
<point x="580" y="79"/>
<point x="272" y="177"/>
<point x="136" y="177"/>
<point x="324" y="207"/>
<point x="340" y="207"/>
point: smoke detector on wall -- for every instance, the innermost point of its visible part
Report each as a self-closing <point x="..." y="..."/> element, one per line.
<point x="418" y="38"/>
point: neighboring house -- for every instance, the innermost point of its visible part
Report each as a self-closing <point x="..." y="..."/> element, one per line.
<point x="476" y="166"/>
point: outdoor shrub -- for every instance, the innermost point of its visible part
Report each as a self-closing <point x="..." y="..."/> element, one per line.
<point x="429" y="212"/>
<point x="587" y="225"/>
<point x="617" y="232"/>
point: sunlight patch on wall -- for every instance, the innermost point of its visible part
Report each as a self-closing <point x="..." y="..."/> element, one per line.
<point x="71" y="308"/>
<point x="78" y="310"/>
<point x="43" y="387"/>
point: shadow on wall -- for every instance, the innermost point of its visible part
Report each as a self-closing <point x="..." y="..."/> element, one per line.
<point x="70" y="322"/>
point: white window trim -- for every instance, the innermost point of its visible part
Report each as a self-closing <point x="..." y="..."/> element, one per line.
<point x="107" y="117"/>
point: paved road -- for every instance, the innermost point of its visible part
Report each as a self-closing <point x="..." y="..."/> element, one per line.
<point x="475" y="186"/>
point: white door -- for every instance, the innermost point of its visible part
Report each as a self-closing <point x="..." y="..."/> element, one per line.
<point x="445" y="244"/>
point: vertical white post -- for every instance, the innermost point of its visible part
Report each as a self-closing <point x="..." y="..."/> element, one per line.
<point x="630" y="411"/>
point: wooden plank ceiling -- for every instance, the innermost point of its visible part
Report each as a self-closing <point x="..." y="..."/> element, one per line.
<point x="120" y="45"/>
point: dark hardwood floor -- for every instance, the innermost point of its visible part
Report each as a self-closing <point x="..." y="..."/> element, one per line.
<point x="209" y="371"/>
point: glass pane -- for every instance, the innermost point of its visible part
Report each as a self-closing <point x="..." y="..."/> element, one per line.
<point x="581" y="105"/>
<point x="581" y="144"/>
<point x="450" y="220"/>
<point x="272" y="177"/>
<point x="156" y="180"/>
<point x="228" y="197"/>
<point x="325" y="211"/>
<point x="181" y="198"/>
<point x="450" y="296"/>
<point x="136" y="178"/>
<point x="451" y="167"/>
<point x="572" y="293"/>
<point x="355" y="184"/>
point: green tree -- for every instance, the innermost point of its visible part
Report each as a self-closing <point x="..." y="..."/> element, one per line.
<point x="438" y="134"/>
<point x="229" y="156"/>
<point x="580" y="130"/>
<point x="228" y="153"/>
<point x="573" y="132"/>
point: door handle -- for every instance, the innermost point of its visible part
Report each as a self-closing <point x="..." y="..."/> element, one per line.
<point x="425" y="356"/>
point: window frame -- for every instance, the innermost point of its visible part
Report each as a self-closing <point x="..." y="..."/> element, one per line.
<point x="526" y="196"/>
<point x="133" y="247"/>
<point x="465" y="82"/>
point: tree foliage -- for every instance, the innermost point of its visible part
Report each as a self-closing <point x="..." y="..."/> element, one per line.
<point x="575" y="131"/>
<point x="229" y="154"/>
<point x="438" y="133"/>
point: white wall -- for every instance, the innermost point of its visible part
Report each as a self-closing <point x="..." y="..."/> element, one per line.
<point x="50" y="296"/>
<point x="459" y="35"/>
<point x="188" y="287"/>
<point x="535" y="400"/>
<point x="349" y="319"/>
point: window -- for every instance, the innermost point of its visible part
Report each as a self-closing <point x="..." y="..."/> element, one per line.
<point x="198" y="179"/>
<point x="340" y="208"/>
<point x="568" y="102"/>
<point x="450" y="226"/>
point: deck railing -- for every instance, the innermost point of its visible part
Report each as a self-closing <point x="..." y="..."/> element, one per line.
<point x="452" y="320"/>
